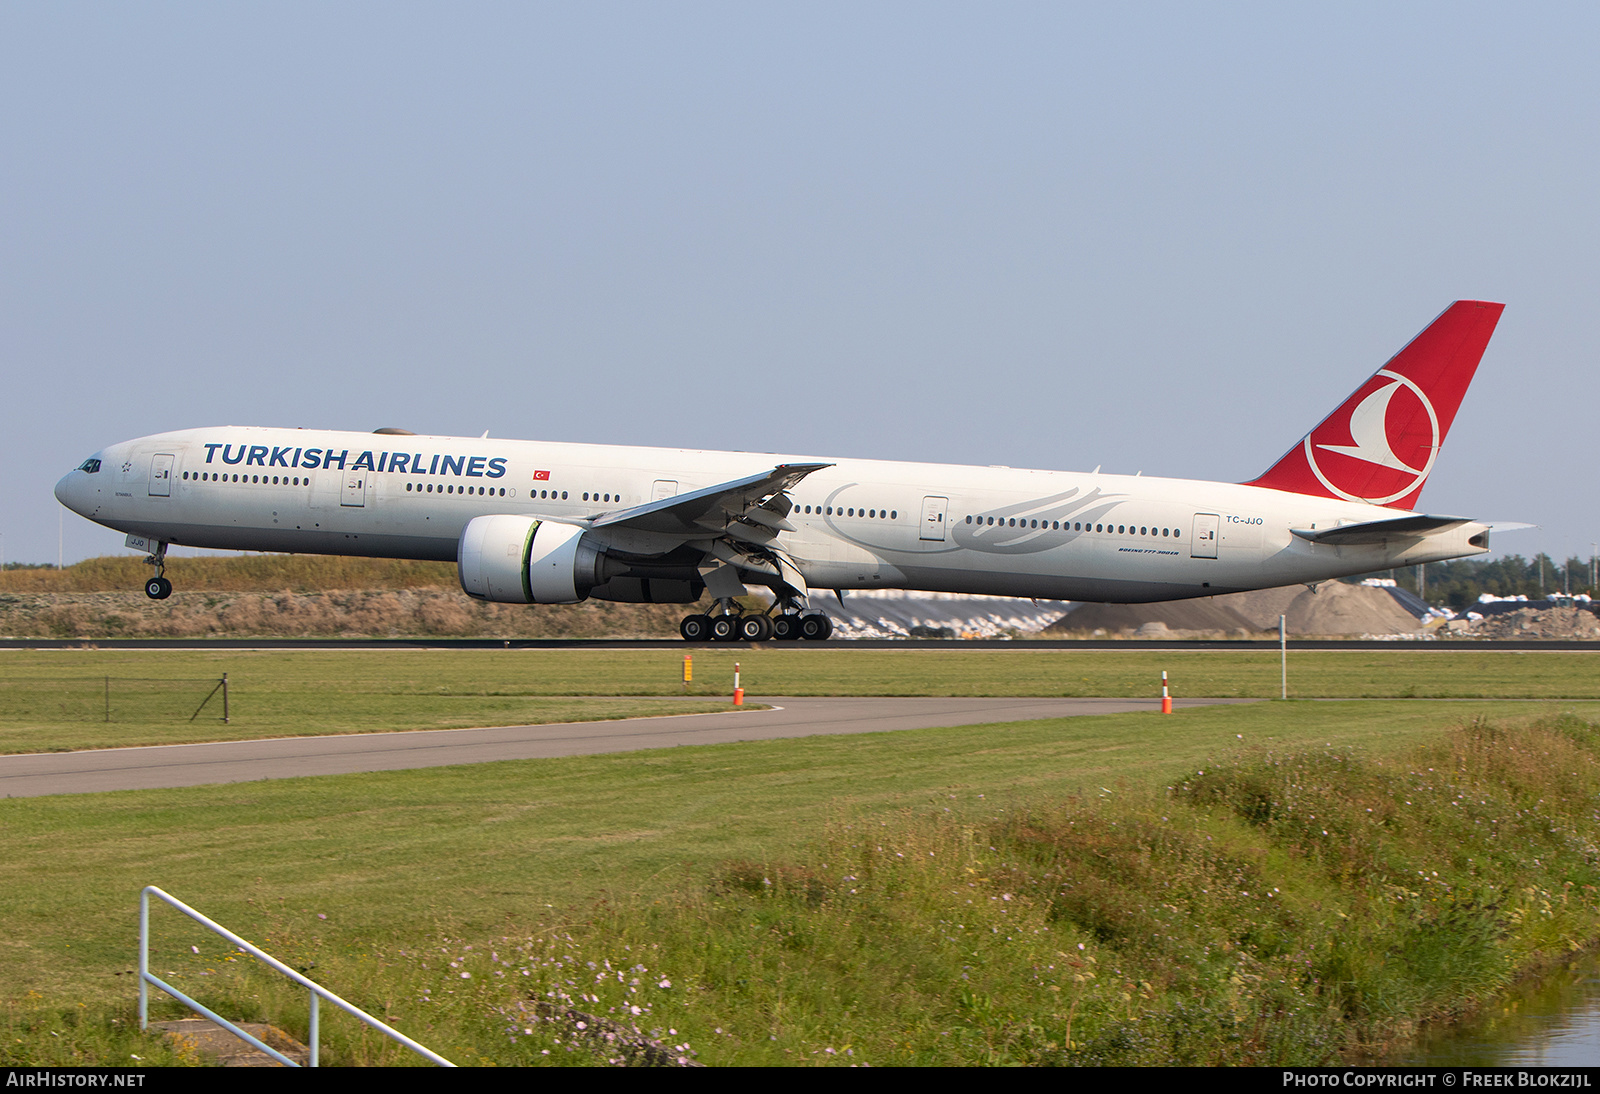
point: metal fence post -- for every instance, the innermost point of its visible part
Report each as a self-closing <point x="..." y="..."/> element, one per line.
<point x="144" y="959"/>
<point x="1283" y="657"/>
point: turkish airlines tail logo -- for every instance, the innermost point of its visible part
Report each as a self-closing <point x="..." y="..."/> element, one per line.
<point x="1381" y="443"/>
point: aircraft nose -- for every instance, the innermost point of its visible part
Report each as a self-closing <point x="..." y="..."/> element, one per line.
<point x="69" y="492"/>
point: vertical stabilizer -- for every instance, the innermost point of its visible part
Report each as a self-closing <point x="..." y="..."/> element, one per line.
<point x="1380" y="445"/>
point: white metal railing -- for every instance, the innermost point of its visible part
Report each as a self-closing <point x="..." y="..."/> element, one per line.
<point x="318" y="992"/>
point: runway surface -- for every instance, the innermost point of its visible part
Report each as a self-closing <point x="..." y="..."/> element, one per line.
<point x="165" y="766"/>
<point x="1059" y="645"/>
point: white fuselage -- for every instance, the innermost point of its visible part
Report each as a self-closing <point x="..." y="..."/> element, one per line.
<point x="856" y="524"/>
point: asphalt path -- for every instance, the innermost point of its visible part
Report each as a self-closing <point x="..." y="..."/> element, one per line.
<point x="165" y="766"/>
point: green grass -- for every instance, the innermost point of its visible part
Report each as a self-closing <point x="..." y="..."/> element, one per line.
<point x="407" y="864"/>
<point x="64" y="715"/>
<point x="378" y="882"/>
<point x="57" y="697"/>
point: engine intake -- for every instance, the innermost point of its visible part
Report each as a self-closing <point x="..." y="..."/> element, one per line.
<point x="523" y="560"/>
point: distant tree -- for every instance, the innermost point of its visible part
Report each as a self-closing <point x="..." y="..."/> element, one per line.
<point x="1459" y="583"/>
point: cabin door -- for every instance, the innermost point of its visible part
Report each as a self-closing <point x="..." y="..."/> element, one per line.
<point x="355" y="488"/>
<point x="161" y="475"/>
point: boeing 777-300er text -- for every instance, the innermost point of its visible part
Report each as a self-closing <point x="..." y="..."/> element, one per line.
<point x="529" y="522"/>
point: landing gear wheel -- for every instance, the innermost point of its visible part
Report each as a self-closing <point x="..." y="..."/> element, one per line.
<point x="816" y="628"/>
<point x="695" y="628"/>
<point x="786" y="628"/>
<point x="755" y="628"/>
<point x="725" y="628"/>
<point x="158" y="587"/>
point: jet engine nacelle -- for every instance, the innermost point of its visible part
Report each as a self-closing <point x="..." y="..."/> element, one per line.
<point x="524" y="560"/>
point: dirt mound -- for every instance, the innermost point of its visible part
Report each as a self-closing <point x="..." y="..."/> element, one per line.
<point x="1169" y="618"/>
<point x="1552" y="623"/>
<point x="1337" y="608"/>
<point x="1263" y="606"/>
<point x="1333" y="609"/>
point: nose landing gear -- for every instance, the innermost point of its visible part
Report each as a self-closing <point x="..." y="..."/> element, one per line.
<point x="158" y="587"/>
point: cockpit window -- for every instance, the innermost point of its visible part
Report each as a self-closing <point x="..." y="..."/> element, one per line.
<point x="89" y="465"/>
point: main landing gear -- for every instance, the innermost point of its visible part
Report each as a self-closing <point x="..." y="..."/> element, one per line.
<point x="728" y="623"/>
<point x="158" y="587"/>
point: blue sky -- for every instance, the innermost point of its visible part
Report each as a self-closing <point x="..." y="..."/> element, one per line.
<point x="1165" y="238"/>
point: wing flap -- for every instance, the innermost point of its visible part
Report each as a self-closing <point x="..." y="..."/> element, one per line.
<point x="714" y="508"/>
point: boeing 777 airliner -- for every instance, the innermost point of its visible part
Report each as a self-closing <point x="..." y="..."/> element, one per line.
<point x="530" y="522"/>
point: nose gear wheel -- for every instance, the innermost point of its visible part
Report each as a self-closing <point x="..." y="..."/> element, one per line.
<point x="158" y="587"/>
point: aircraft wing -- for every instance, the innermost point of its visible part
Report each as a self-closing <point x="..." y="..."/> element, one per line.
<point x="713" y="510"/>
<point x="1415" y="526"/>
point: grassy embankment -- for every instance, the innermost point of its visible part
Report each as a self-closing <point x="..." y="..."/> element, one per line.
<point x="1049" y="892"/>
<point x="296" y="596"/>
<point x="57" y="700"/>
<point x="233" y="574"/>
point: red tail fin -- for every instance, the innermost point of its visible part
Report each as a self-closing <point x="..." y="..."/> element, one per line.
<point x="1379" y="446"/>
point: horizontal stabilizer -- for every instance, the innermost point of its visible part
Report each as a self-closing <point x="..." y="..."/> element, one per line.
<point x="1371" y="532"/>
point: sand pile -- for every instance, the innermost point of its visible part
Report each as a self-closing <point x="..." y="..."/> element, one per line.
<point x="1205" y="617"/>
<point x="1337" y="608"/>
<point x="1333" y="609"/>
<point x="1263" y="606"/>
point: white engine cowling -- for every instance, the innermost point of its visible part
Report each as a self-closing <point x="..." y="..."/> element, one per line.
<point x="523" y="560"/>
